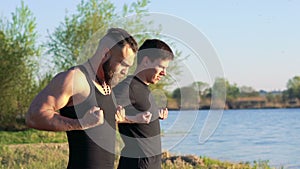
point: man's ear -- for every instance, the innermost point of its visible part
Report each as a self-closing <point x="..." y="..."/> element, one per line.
<point x="146" y="61"/>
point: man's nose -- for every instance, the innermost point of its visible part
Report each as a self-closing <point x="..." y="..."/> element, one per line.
<point x="163" y="72"/>
<point x="124" y="71"/>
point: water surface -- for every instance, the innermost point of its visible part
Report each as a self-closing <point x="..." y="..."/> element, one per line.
<point x="241" y="135"/>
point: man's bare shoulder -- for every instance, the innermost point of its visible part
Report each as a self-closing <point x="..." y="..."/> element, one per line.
<point x="79" y="79"/>
<point x="72" y="80"/>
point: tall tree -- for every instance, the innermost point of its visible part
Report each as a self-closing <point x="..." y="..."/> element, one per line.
<point x="222" y="87"/>
<point x="200" y="87"/>
<point x="90" y="23"/>
<point x="247" y="91"/>
<point x="189" y="96"/>
<point x="293" y="87"/>
<point x="18" y="55"/>
<point x="76" y="39"/>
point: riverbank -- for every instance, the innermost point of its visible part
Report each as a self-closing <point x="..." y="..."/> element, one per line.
<point x="207" y="107"/>
<point x="55" y="155"/>
<point x="259" y="102"/>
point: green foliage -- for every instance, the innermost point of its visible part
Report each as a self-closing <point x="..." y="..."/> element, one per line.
<point x="293" y="87"/>
<point x="201" y="87"/>
<point x="87" y="26"/>
<point x="201" y="92"/>
<point x="219" y="88"/>
<point x="76" y="39"/>
<point x="195" y="162"/>
<point x="187" y="97"/>
<point x="233" y="93"/>
<point x="261" y="164"/>
<point x="176" y="94"/>
<point x="275" y="98"/>
<point x="222" y="88"/>
<point x="18" y="55"/>
<point x="246" y="91"/>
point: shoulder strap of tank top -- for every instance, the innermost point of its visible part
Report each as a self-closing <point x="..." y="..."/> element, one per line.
<point x="89" y="80"/>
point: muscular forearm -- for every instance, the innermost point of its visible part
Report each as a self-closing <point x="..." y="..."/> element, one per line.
<point x="139" y="118"/>
<point x="129" y="119"/>
<point x="52" y="121"/>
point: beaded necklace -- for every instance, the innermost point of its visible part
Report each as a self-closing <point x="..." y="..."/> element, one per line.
<point x="102" y="83"/>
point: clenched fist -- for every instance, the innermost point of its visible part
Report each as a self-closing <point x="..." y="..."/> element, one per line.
<point x="163" y="113"/>
<point x="120" y="115"/>
<point x="92" y="118"/>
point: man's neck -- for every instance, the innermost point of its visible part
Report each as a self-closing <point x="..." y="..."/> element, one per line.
<point x="142" y="78"/>
<point x="96" y="70"/>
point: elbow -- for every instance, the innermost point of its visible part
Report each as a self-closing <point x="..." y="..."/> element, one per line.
<point x="39" y="122"/>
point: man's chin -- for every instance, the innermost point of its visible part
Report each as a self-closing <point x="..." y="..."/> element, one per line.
<point x="116" y="79"/>
<point x="154" y="82"/>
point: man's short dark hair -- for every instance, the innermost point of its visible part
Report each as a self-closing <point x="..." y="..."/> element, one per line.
<point x="154" y="49"/>
<point x="120" y="38"/>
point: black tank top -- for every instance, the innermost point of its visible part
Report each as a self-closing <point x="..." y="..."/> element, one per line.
<point x="92" y="148"/>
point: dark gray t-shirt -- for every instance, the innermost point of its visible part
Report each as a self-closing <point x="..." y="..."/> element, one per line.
<point x="141" y="140"/>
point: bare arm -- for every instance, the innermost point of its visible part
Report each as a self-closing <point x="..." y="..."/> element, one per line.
<point x="43" y="115"/>
<point x="121" y="117"/>
<point x="144" y="117"/>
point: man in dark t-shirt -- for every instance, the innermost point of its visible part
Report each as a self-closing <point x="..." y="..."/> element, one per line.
<point x="142" y="148"/>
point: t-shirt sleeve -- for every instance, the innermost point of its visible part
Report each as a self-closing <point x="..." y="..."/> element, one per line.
<point x="133" y="97"/>
<point x="121" y="93"/>
<point x="139" y="98"/>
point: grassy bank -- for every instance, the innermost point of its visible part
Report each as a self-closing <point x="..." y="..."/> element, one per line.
<point x="31" y="136"/>
<point x="33" y="156"/>
<point x="49" y="150"/>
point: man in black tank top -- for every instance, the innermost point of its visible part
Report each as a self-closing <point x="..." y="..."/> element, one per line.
<point x="142" y="148"/>
<point x="79" y="101"/>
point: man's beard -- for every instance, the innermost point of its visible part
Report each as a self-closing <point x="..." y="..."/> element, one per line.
<point x="116" y="79"/>
<point x="108" y="72"/>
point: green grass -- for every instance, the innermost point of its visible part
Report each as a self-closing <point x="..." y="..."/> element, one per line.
<point x="34" y="156"/>
<point x="31" y="136"/>
<point x="55" y="156"/>
<point x="195" y="162"/>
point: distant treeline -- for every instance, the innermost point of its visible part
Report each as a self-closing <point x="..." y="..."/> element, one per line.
<point x="199" y="96"/>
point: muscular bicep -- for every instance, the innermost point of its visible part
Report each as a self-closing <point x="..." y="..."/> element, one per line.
<point x="43" y="112"/>
<point x="56" y="94"/>
<point x="53" y="97"/>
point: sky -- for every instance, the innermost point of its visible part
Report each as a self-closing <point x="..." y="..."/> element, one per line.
<point x="257" y="42"/>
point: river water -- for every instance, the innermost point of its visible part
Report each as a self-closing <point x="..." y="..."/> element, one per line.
<point x="236" y="135"/>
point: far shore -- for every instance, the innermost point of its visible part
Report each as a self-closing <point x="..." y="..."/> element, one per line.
<point x="226" y="108"/>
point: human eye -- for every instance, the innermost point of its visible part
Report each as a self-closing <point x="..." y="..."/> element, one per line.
<point x="162" y="67"/>
<point x="124" y="64"/>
